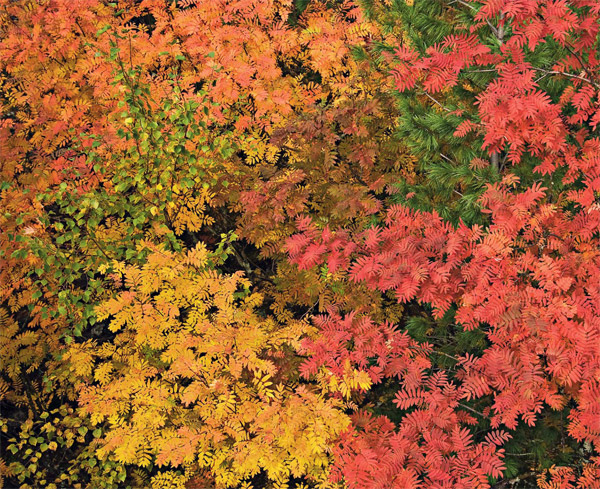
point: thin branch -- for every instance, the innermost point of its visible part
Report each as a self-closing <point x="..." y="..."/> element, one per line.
<point x="309" y="310"/>
<point x="583" y="66"/>
<point x="436" y="102"/>
<point x="447" y="159"/>
<point x="465" y="4"/>
<point x="446" y="355"/>
<point x="540" y="78"/>
<point x="570" y="75"/>
<point x="472" y="410"/>
<point x="494" y="29"/>
<point x="100" y="247"/>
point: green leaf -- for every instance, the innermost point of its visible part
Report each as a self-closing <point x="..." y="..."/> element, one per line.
<point x="101" y="31"/>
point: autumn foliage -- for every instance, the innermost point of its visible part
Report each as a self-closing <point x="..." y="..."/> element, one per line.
<point x="277" y="243"/>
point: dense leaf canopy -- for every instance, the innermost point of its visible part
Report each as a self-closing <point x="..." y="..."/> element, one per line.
<point x="300" y="244"/>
